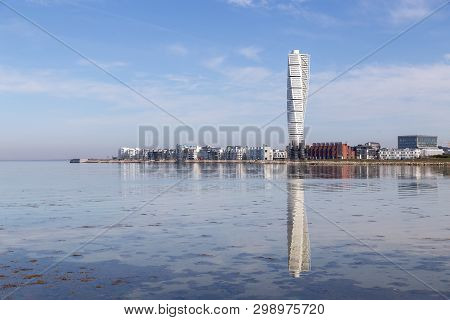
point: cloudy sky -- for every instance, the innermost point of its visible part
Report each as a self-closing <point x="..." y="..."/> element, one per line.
<point x="216" y="62"/>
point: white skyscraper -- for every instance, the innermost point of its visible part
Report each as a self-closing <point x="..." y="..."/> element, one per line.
<point x="297" y="94"/>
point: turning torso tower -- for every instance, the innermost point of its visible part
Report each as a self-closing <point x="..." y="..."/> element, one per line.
<point x="297" y="93"/>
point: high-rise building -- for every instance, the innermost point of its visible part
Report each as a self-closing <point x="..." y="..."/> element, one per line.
<point x="297" y="94"/>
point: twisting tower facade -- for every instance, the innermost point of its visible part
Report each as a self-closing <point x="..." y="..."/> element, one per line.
<point x="297" y="94"/>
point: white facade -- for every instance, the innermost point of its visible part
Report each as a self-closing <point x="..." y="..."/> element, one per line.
<point x="235" y="153"/>
<point x="210" y="153"/>
<point x="184" y="152"/>
<point x="192" y="152"/>
<point x="128" y="153"/>
<point x="432" y="152"/>
<point x="297" y="94"/>
<point x="279" y="154"/>
<point x="400" y="154"/>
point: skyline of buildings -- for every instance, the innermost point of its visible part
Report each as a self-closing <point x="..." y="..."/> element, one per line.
<point x="409" y="147"/>
<point x="315" y="151"/>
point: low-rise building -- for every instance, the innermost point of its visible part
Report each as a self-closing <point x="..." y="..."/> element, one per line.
<point x="446" y="150"/>
<point x="279" y="154"/>
<point x="330" y="150"/>
<point x="143" y="154"/>
<point x="210" y="153"/>
<point x="187" y="152"/>
<point x="373" y="145"/>
<point x="192" y="152"/>
<point x="260" y="153"/>
<point x="367" y="151"/>
<point x="429" y="152"/>
<point x="236" y="153"/>
<point x="162" y="154"/>
<point x="128" y="153"/>
<point x="399" y="154"/>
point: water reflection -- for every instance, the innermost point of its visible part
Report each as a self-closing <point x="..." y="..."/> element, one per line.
<point x="196" y="171"/>
<point x="410" y="188"/>
<point x="218" y="234"/>
<point x="299" y="257"/>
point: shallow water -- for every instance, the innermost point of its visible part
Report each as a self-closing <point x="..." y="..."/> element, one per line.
<point x="223" y="231"/>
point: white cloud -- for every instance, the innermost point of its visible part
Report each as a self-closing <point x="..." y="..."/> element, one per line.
<point x="53" y="2"/>
<point x="238" y="75"/>
<point x="178" y="50"/>
<point x="295" y="8"/>
<point x="214" y="62"/>
<point x="241" y="3"/>
<point x="382" y="101"/>
<point x="247" y="75"/>
<point x="373" y="102"/>
<point x="58" y="84"/>
<point x="173" y="92"/>
<point x="20" y="27"/>
<point x="59" y="2"/>
<point x="186" y="82"/>
<point x="386" y="90"/>
<point x="251" y="53"/>
<point x="408" y="10"/>
<point x="447" y="56"/>
<point x="105" y="65"/>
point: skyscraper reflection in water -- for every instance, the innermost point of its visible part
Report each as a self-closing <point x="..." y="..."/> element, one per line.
<point x="297" y="229"/>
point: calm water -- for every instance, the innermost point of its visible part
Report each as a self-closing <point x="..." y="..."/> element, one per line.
<point x="223" y="231"/>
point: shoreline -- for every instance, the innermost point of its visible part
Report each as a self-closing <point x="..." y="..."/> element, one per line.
<point x="435" y="162"/>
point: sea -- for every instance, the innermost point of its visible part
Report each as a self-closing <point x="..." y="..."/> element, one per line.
<point x="223" y="231"/>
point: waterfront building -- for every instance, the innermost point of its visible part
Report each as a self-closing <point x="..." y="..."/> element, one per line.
<point x="204" y="153"/>
<point x="399" y="154"/>
<point x="367" y="151"/>
<point x="79" y="160"/>
<point x="279" y="154"/>
<point x="184" y="152"/>
<point x="236" y="153"/>
<point x="162" y="154"/>
<point x="373" y="145"/>
<point x="417" y="142"/>
<point x="210" y="153"/>
<point x="446" y="150"/>
<point x="143" y="154"/>
<point x="128" y="153"/>
<point x="260" y="153"/>
<point x="192" y="152"/>
<point x="330" y="150"/>
<point x="297" y="94"/>
<point x="429" y="152"/>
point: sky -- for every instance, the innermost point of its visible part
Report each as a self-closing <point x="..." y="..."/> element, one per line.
<point x="216" y="62"/>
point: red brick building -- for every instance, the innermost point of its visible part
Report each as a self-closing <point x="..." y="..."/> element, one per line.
<point x="330" y="150"/>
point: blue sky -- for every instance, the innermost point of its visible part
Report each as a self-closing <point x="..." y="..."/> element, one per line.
<point x="216" y="62"/>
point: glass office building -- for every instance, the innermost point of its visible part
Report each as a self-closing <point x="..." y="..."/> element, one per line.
<point x="417" y="142"/>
